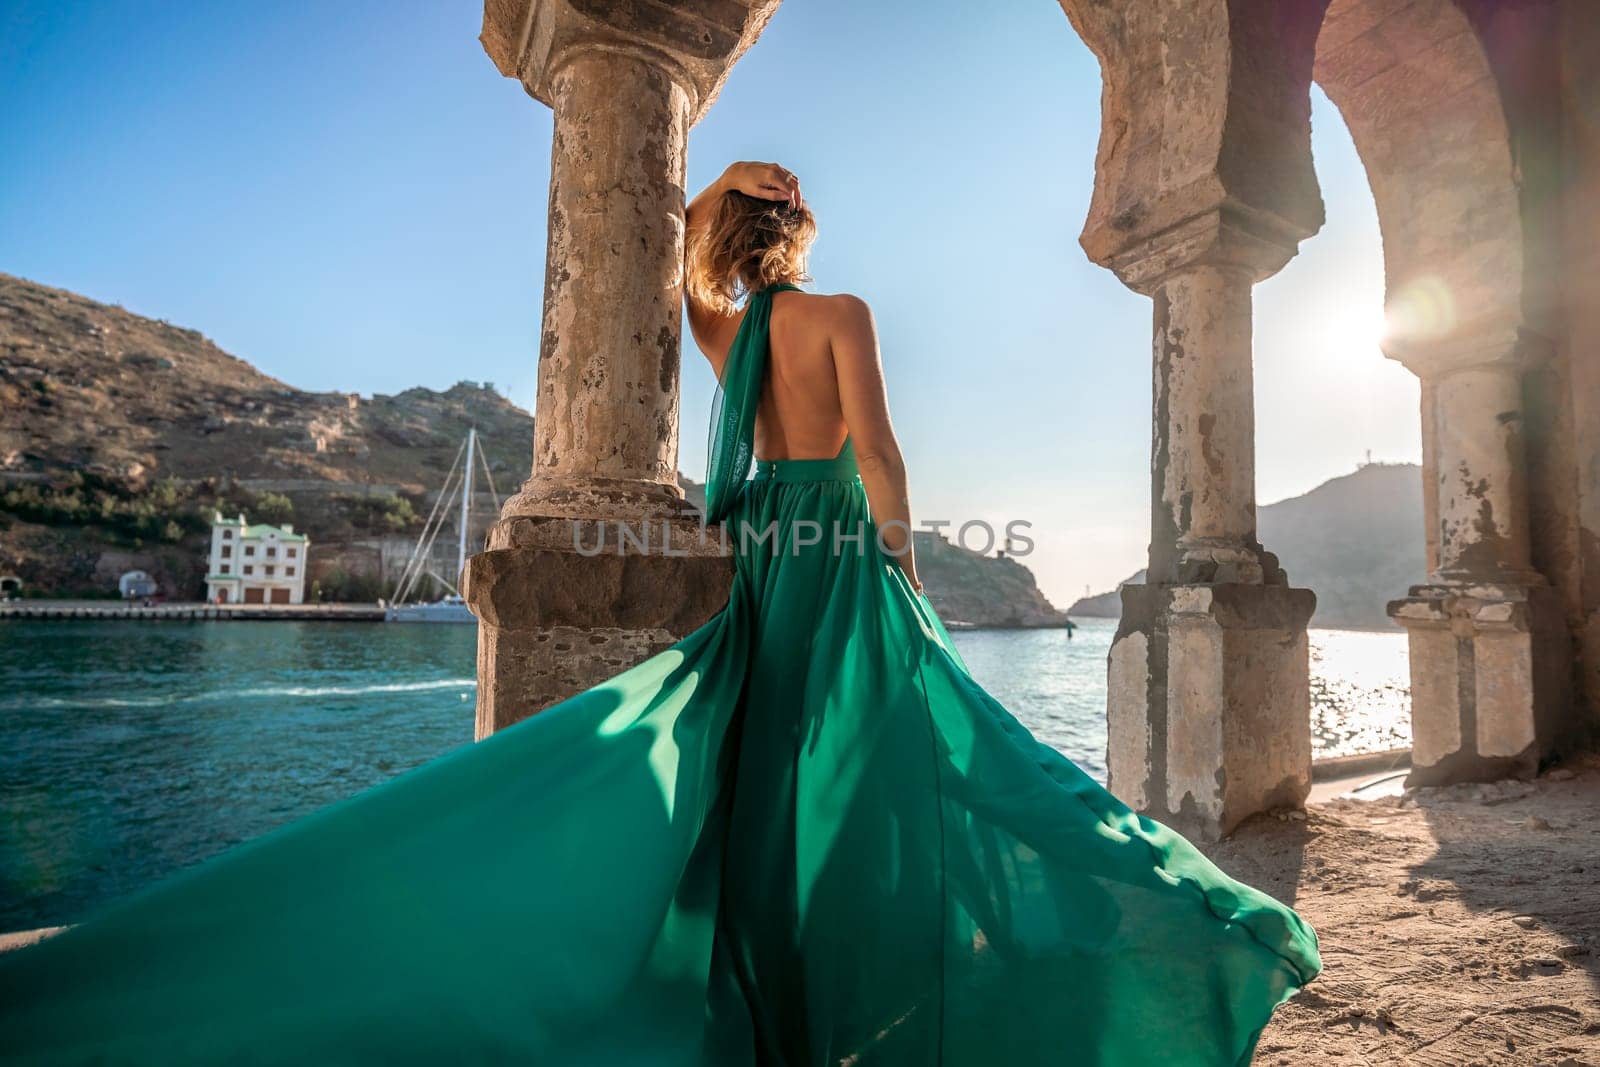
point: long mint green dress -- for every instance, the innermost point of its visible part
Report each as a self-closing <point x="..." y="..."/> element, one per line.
<point x="801" y="837"/>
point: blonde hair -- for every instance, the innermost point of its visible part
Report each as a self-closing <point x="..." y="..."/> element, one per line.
<point x="745" y="245"/>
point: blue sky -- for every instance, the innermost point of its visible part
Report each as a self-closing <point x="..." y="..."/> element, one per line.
<point x="350" y="197"/>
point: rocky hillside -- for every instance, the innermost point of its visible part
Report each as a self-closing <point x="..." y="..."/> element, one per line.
<point x="966" y="589"/>
<point x="91" y="388"/>
<point x="1356" y="541"/>
<point x="1104" y="605"/>
<point x="120" y="434"/>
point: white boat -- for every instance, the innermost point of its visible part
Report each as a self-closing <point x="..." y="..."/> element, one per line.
<point x="450" y="607"/>
<point x="446" y="609"/>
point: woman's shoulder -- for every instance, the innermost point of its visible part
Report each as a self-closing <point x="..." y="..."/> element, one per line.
<point x="832" y="322"/>
<point x="844" y="308"/>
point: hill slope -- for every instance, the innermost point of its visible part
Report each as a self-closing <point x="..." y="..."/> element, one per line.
<point x="966" y="588"/>
<point x="119" y="434"/>
<point x="1356" y="541"/>
<point x="94" y="388"/>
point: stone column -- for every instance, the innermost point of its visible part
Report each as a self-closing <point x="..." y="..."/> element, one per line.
<point x="1204" y="185"/>
<point x="625" y="84"/>
<point x="1209" y="702"/>
<point x="1482" y="488"/>
<point x="1490" y="654"/>
<point x="606" y="441"/>
<point x="1203" y="485"/>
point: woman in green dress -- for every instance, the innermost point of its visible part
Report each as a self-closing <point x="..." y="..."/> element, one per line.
<point x="803" y="836"/>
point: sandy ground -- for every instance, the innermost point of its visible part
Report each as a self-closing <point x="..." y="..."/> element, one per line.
<point x="1458" y="925"/>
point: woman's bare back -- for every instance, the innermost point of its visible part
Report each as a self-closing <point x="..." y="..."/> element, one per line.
<point x="800" y="415"/>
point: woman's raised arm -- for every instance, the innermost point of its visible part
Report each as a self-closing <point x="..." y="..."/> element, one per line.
<point x="714" y="328"/>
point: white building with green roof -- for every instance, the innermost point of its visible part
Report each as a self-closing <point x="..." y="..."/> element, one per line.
<point x="253" y="563"/>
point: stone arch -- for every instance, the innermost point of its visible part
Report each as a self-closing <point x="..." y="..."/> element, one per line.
<point x="1204" y="184"/>
<point x="1416" y="90"/>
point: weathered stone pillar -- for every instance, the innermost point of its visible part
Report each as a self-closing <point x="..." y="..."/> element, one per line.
<point x="1491" y="658"/>
<point x="1482" y="490"/>
<point x="1203" y="491"/>
<point x="1204" y="186"/>
<point x="607" y="435"/>
<point x="1209" y="703"/>
<point x="625" y="86"/>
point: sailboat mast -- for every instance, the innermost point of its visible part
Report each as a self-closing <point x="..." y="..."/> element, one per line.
<point x="466" y="503"/>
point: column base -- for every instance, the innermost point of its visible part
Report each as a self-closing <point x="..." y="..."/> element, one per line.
<point x="1491" y="684"/>
<point x="616" y="498"/>
<point x="554" y="619"/>
<point x="1209" y="703"/>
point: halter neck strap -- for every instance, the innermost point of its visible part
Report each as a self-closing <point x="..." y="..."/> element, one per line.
<point x="733" y="416"/>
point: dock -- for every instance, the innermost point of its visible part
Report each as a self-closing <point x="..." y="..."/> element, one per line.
<point x="190" y="612"/>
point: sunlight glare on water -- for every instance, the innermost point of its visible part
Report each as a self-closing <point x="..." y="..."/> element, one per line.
<point x="1360" y="691"/>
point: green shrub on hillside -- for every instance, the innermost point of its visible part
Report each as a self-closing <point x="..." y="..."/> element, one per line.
<point x="274" y="508"/>
<point x="382" y="513"/>
<point x="167" y="510"/>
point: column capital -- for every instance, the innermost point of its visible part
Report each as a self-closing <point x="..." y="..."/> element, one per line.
<point x="1229" y="237"/>
<point x="696" y="42"/>
<point x="1488" y="343"/>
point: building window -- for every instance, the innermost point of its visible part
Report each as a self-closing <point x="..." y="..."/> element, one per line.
<point x="289" y="571"/>
<point x="291" y="552"/>
<point x="225" y="567"/>
<point x="227" y="551"/>
<point x="249" y="550"/>
<point x="271" y="551"/>
<point x="227" y="535"/>
<point x="270" y="570"/>
<point x="249" y="569"/>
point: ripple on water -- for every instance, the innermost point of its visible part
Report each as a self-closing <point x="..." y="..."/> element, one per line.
<point x="129" y="750"/>
<point x="1360" y="687"/>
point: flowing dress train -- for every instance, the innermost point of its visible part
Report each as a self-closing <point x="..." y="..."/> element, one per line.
<point x="803" y="836"/>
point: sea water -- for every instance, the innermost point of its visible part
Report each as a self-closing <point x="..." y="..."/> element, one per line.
<point x="129" y="750"/>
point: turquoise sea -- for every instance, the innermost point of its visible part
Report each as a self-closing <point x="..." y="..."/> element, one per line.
<point x="129" y="750"/>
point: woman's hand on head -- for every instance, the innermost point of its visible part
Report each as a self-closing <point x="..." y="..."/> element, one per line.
<point x="767" y="181"/>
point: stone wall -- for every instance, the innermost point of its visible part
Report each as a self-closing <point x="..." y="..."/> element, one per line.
<point x="1579" y="38"/>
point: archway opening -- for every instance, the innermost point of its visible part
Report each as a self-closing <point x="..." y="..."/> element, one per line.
<point x="1420" y="259"/>
<point x="1338" y="454"/>
<point x="1018" y="370"/>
